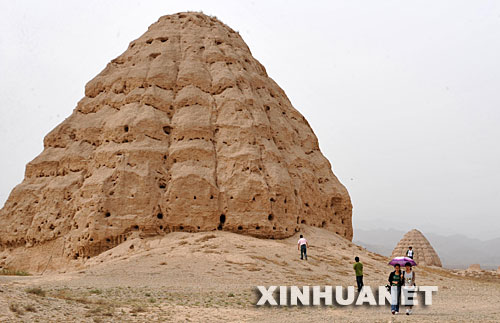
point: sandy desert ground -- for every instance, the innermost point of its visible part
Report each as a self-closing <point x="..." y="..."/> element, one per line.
<point x="211" y="277"/>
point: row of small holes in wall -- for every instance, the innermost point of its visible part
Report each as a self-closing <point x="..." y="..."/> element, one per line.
<point x="166" y="129"/>
<point x="323" y="224"/>
<point x="150" y="41"/>
<point x="194" y="197"/>
<point x="222" y="220"/>
<point x="271" y="200"/>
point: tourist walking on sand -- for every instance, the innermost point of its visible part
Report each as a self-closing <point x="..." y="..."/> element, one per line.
<point x="396" y="280"/>
<point x="410" y="252"/>
<point x="409" y="282"/>
<point x="358" y="269"/>
<point x="302" y="245"/>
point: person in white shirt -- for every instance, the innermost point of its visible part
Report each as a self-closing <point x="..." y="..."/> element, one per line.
<point x="409" y="282"/>
<point x="410" y="253"/>
<point x="302" y="245"/>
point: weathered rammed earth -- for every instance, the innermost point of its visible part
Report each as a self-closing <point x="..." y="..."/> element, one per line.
<point x="424" y="252"/>
<point x="182" y="132"/>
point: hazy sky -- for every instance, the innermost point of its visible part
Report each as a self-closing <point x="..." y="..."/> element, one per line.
<point x="404" y="96"/>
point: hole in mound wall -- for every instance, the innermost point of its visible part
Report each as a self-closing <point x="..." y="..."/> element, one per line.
<point x="125" y="128"/>
<point x="159" y="216"/>
<point x="240" y="227"/>
<point x="107" y="214"/>
<point x="167" y="129"/>
<point x="270" y="217"/>
<point x="222" y="218"/>
<point x="154" y="55"/>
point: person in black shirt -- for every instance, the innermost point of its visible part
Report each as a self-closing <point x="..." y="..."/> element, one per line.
<point x="396" y="279"/>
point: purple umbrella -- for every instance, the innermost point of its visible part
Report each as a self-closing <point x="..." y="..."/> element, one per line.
<point x="402" y="261"/>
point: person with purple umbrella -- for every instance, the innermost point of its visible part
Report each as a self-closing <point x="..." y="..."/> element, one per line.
<point x="396" y="279"/>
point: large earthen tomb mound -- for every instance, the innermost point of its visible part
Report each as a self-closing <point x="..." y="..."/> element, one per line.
<point x="424" y="252"/>
<point x="184" y="131"/>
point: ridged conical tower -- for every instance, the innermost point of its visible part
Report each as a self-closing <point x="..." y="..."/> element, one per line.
<point x="184" y="131"/>
<point x="425" y="254"/>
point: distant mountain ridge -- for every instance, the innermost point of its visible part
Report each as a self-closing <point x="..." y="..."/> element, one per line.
<point x="456" y="251"/>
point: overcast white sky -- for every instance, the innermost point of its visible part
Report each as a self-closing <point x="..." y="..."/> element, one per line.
<point x="404" y="96"/>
